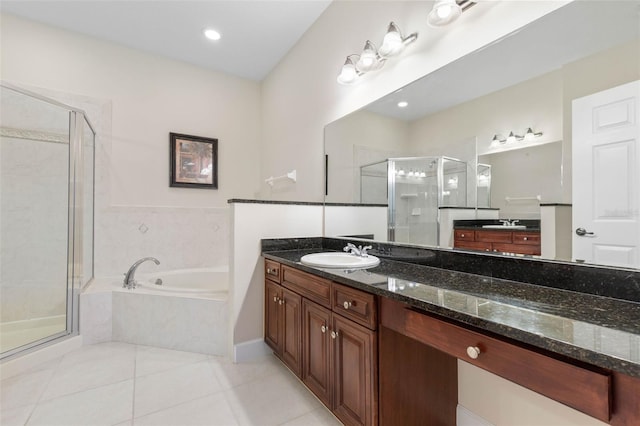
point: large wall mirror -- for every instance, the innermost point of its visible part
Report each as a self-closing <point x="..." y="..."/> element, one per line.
<point x="531" y="141"/>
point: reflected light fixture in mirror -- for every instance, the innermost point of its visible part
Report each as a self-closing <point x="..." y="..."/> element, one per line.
<point x="529" y="136"/>
<point x="372" y="59"/>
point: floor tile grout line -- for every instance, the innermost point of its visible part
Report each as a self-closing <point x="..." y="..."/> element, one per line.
<point x="44" y="389"/>
<point x="181" y="403"/>
<point x="133" y="394"/>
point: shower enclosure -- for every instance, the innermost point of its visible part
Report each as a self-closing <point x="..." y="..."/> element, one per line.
<point x="46" y="217"/>
<point x="414" y="189"/>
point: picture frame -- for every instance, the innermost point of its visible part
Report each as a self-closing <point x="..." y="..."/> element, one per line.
<point x="193" y="161"/>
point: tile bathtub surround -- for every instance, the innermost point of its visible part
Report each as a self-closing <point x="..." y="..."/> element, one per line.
<point x="119" y="383"/>
<point x="621" y="284"/>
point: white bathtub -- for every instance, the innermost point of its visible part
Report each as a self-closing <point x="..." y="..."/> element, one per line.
<point x="188" y="312"/>
<point x="210" y="283"/>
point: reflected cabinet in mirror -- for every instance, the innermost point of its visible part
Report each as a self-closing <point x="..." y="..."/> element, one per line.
<point x="526" y="147"/>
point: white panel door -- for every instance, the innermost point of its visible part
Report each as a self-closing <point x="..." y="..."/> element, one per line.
<point x="606" y="177"/>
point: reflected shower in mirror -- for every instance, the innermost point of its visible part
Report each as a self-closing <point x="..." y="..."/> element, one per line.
<point x="468" y="116"/>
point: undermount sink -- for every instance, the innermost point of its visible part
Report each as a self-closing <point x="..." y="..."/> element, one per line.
<point x="504" y="226"/>
<point x="339" y="260"/>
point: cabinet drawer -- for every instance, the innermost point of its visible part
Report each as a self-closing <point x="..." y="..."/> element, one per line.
<point x="463" y="235"/>
<point x="585" y="390"/>
<point x="272" y="270"/>
<point x="529" y="238"/>
<point x="516" y="248"/>
<point x="355" y="305"/>
<point x="494" y="236"/>
<point x="473" y="245"/>
<point x="307" y="285"/>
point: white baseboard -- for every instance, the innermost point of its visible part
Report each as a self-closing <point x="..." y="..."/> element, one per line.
<point x="464" y="417"/>
<point x="15" y="366"/>
<point x="250" y="350"/>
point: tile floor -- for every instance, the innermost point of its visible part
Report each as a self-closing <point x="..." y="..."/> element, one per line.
<point x="123" y="384"/>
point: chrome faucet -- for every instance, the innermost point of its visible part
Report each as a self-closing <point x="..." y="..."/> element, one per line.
<point x="357" y="251"/>
<point x="129" y="280"/>
<point x="507" y="222"/>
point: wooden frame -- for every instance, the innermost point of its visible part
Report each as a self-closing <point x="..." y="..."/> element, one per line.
<point x="193" y="161"/>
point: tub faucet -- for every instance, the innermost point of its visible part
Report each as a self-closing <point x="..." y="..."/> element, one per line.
<point x="129" y="280"/>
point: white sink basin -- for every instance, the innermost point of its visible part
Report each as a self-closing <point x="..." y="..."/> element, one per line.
<point x="339" y="260"/>
<point x="504" y="226"/>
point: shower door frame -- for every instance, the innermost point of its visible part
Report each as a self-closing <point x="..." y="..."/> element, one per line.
<point x="75" y="229"/>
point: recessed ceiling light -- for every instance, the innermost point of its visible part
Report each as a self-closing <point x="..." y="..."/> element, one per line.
<point x="403" y="104"/>
<point x="212" y="34"/>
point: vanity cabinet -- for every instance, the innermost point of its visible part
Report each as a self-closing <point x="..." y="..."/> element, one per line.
<point x="283" y="323"/>
<point x="337" y="342"/>
<point x="502" y="241"/>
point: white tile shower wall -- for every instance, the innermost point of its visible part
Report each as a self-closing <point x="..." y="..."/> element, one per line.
<point x="33" y="225"/>
<point x="195" y="325"/>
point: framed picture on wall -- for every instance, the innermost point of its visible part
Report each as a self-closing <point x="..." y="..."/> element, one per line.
<point x="193" y="161"/>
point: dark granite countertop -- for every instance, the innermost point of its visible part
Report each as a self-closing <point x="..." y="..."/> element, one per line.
<point x="597" y="330"/>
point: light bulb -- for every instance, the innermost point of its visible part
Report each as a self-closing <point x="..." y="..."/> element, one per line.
<point x="511" y="138"/>
<point x="392" y="43"/>
<point x="403" y="104"/>
<point x="530" y="135"/>
<point x="368" y="58"/>
<point x="401" y="172"/>
<point x="348" y="73"/>
<point x="444" y="12"/>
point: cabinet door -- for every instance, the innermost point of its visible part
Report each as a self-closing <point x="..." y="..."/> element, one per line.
<point x="354" y="373"/>
<point x="292" y="333"/>
<point x="316" y="342"/>
<point x="272" y="320"/>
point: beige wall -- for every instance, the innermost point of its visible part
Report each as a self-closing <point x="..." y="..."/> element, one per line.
<point x="151" y="96"/>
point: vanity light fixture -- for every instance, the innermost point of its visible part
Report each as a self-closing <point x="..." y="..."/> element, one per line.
<point x="372" y="59"/>
<point x="529" y="136"/>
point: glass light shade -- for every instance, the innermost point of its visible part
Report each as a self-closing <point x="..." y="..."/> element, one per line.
<point x="348" y="73"/>
<point x="530" y="135"/>
<point x="392" y="44"/>
<point x="403" y="104"/>
<point x="368" y="58"/>
<point x="443" y="13"/>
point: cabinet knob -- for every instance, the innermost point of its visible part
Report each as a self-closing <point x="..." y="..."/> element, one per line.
<point x="272" y="271"/>
<point x="275" y="299"/>
<point x="281" y="301"/>
<point x="323" y="328"/>
<point x="346" y="304"/>
<point x="462" y="235"/>
<point x="334" y="334"/>
<point x="473" y="352"/>
<point x="525" y="238"/>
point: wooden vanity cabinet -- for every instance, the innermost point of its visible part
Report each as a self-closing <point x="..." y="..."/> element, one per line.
<point x="500" y="241"/>
<point x="283" y="323"/>
<point x="338" y="342"/>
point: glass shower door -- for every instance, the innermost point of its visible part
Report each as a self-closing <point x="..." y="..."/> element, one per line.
<point x="34" y="220"/>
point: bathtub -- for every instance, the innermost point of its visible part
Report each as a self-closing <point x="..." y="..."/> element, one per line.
<point x="188" y="312"/>
<point x="209" y="283"/>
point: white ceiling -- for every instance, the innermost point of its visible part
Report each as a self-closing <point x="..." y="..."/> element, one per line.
<point x="256" y="35"/>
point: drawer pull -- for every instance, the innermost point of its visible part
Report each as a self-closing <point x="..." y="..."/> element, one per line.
<point x="275" y="299"/>
<point x="281" y="301"/>
<point x="323" y="328"/>
<point x="272" y="271"/>
<point x="473" y="352"/>
<point x="334" y="334"/>
<point x="346" y="304"/>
